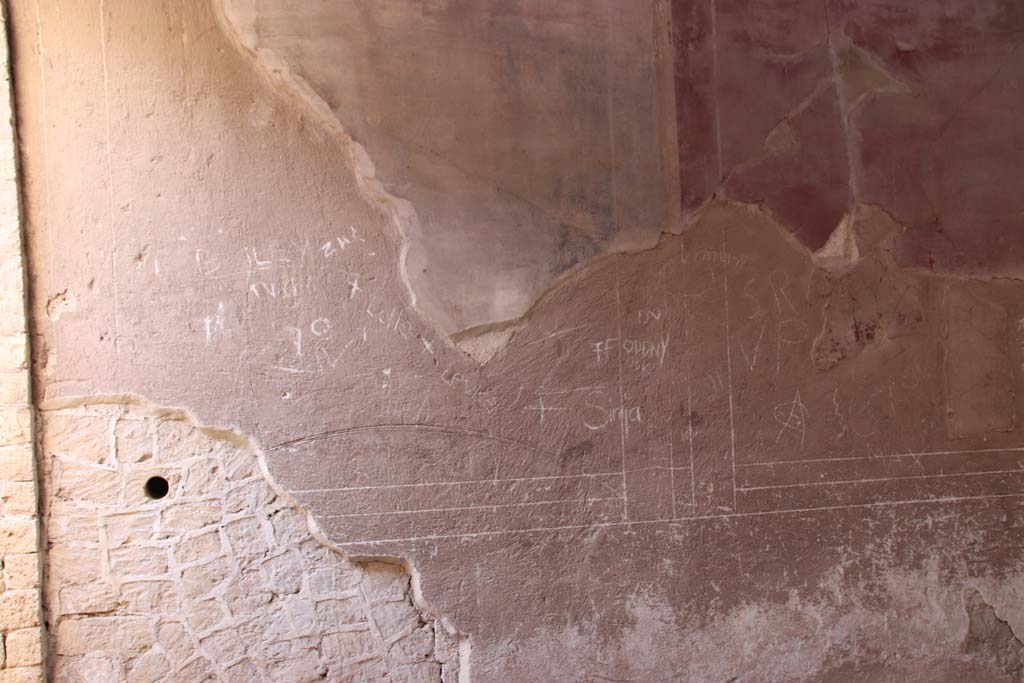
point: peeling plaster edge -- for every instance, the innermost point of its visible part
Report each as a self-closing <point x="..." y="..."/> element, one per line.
<point x="276" y="72"/>
<point x="239" y="439"/>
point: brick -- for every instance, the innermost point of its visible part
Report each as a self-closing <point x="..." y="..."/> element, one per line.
<point x="19" y="609"/>
<point x="24" y="647"/>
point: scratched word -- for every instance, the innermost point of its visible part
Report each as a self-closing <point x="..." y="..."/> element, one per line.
<point x="720" y="257"/>
<point x="600" y="413"/>
<point x="643" y="349"/>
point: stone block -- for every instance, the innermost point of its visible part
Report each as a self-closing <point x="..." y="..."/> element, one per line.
<point x="247" y="497"/>
<point x="24" y="647"/>
<point x="95" y="597"/>
<point x="223" y="646"/>
<point x="195" y="670"/>
<point x="129" y="527"/>
<point x="244" y="672"/>
<point x="248" y="594"/>
<point x="21" y="572"/>
<point x="424" y="672"/>
<point x="135" y="492"/>
<point x="72" y="480"/>
<point x="332" y="613"/>
<point x="14" y="387"/>
<point x="350" y="645"/>
<point x="16" y="463"/>
<point x="76" y="435"/>
<point x="290" y="527"/>
<point x="17" y="536"/>
<point x="239" y="464"/>
<point x="149" y="597"/>
<point x="385" y="582"/>
<point x="18" y="498"/>
<point x="127" y="636"/>
<point x="151" y="667"/>
<point x="13" y="352"/>
<point x="19" y="609"/>
<point x="70" y="521"/>
<point x="302" y="614"/>
<point x="175" y="640"/>
<point x="249" y="538"/>
<point x="134" y="440"/>
<point x="149" y="561"/>
<point x="196" y="547"/>
<point x="30" y="674"/>
<point x="193" y="516"/>
<point x="179" y="440"/>
<point x="203" y="478"/>
<point x="205" y="615"/>
<point x="284" y="573"/>
<point x="201" y="579"/>
<point x="417" y="645"/>
<point x="15" y="425"/>
<point x="68" y="565"/>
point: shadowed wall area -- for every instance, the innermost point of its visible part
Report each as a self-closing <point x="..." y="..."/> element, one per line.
<point x="598" y="340"/>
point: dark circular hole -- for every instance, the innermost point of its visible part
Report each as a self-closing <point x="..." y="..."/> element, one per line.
<point x="157" y="487"/>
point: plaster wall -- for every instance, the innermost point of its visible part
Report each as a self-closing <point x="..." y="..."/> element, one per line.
<point x="746" y="429"/>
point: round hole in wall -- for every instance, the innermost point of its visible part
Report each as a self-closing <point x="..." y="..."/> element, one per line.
<point x="157" y="487"/>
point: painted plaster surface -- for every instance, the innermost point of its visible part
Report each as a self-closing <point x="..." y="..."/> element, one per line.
<point x="771" y="447"/>
<point x="527" y="136"/>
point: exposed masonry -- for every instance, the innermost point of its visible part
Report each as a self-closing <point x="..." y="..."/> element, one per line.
<point x="222" y="579"/>
<point x="20" y="633"/>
